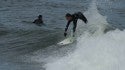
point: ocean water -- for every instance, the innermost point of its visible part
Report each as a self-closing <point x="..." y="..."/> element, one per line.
<point x="100" y="44"/>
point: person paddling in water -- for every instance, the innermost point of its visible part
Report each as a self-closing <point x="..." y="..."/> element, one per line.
<point x="74" y="18"/>
<point x="39" y="21"/>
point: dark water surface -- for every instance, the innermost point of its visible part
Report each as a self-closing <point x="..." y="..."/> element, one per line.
<point x="19" y="37"/>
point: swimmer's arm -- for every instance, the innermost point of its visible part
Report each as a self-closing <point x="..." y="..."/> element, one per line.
<point x="34" y="21"/>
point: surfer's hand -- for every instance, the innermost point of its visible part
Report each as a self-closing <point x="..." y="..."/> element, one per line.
<point x="65" y="34"/>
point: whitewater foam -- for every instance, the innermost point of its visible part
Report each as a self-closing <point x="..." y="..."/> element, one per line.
<point x="95" y="50"/>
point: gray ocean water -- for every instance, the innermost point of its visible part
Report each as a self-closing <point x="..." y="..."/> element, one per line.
<point x="20" y="38"/>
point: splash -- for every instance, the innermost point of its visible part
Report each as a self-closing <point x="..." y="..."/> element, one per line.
<point x="96" y="50"/>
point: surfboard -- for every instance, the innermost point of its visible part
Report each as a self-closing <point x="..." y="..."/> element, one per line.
<point x="30" y="22"/>
<point x="68" y="40"/>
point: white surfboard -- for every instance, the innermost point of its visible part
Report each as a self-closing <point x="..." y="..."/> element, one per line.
<point x="69" y="39"/>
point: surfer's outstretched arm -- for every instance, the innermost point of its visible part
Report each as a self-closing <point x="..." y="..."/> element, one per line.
<point x="67" y="26"/>
<point x="65" y="33"/>
<point x="83" y="18"/>
<point x="34" y="21"/>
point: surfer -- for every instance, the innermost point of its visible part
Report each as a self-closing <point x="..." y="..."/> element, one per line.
<point x="74" y="18"/>
<point x="39" y="20"/>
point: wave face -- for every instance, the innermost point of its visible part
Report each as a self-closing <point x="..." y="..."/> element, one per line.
<point x="26" y="46"/>
<point x="95" y="49"/>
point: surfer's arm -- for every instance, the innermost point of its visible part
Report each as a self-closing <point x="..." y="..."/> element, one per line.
<point x="67" y="26"/>
<point x="34" y="21"/>
<point x="65" y="34"/>
<point x="83" y="18"/>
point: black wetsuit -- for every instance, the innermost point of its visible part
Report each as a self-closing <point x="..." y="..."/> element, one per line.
<point x="38" y="22"/>
<point x="75" y="18"/>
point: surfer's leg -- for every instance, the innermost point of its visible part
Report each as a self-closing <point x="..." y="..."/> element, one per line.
<point x="74" y="26"/>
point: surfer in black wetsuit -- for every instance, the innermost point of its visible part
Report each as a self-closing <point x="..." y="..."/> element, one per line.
<point x="74" y="18"/>
<point x="39" y="20"/>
